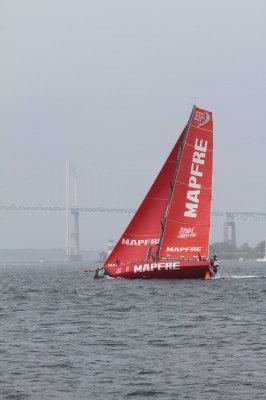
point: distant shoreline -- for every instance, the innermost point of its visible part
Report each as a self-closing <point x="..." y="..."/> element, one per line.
<point x="38" y="255"/>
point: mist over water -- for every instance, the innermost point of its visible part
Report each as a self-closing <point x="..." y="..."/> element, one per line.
<point x="67" y="336"/>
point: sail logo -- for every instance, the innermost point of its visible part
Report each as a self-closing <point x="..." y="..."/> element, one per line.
<point x="186" y="233"/>
<point x="139" y="242"/>
<point x="202" y="118"/>
<point x="156" y="266"/>
<point x="196" y="175"/>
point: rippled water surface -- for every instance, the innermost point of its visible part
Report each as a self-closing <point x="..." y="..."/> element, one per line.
<point x="66" y="336"/>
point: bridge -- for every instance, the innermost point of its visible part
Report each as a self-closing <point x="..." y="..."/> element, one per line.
<point x="72" y="212"/>
<point x="229" y="215"/>
<point x="13" y="207"/>
<point x="72" y="235"/>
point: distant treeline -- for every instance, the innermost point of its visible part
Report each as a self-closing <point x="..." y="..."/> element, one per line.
<point x="228" y="251"/>
<point x="223" y="250"/>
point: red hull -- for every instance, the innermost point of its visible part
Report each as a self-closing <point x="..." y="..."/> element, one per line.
<point x="163" y="269"/>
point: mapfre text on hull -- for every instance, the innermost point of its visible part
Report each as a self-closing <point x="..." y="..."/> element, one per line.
<point x="160" y="270"/>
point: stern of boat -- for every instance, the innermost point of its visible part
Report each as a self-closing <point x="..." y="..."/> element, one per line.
<point x="214" y="268"/>
<point x="100" y="273"/>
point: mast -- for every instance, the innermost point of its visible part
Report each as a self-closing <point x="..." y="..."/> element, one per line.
<point x="180" y="153"/>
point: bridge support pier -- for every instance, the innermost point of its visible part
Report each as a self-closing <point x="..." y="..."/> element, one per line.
<point x="230" y="230"/>
<point x="72" y="217"/>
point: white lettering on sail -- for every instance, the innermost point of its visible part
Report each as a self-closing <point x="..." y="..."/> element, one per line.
<point x="198" y="160"/>
<point x="140" y="242"/>
<point x="192" y="195"/>
<point x="186" y="232"/>
<point x="199" y="116"/>
<point x="202" y="118"/>
<point x="183" y="249"/>
<point x="192" y="210"/>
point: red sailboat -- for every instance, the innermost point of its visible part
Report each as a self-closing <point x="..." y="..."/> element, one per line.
<point x="168" y="237"/>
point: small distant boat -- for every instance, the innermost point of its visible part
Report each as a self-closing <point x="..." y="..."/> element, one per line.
<point x="168" y="237"/>
<point x="264" y="258"/>
<point x="43" y="260"/>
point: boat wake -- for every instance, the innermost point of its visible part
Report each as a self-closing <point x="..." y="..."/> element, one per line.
<point x="241" y="277"/>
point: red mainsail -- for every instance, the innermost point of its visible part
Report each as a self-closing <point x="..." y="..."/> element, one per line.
<point x="187" y="221"/>
<point x="143" y="232"/>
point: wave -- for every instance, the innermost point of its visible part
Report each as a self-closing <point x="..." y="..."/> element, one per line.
<point x="241" y="277"/>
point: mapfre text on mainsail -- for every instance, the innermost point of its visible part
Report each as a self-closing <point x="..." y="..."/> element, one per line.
<point x="196" y="175"/>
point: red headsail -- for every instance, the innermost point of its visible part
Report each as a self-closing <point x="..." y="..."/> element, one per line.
<point x="145" y="228"/>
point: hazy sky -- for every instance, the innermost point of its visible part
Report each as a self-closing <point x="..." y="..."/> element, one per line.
<point x="110" y="85"/>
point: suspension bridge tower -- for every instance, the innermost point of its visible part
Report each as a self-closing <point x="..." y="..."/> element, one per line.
<point x="72" y="214"/>
<point x="230" y="229"/>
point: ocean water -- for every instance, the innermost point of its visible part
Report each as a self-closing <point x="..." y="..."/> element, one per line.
<point x="66" y="336"/>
